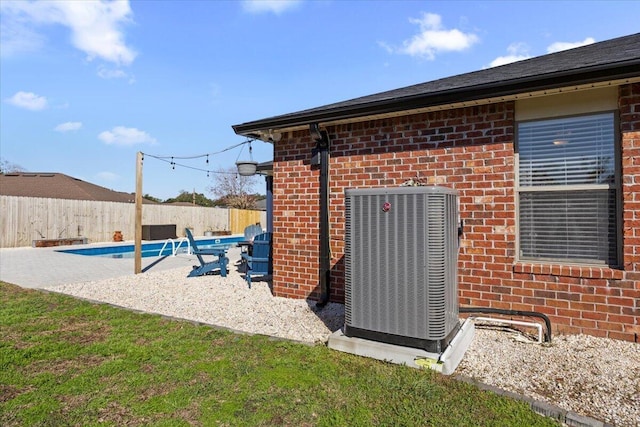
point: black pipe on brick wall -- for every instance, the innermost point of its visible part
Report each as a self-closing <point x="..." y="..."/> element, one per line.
<point x="489" y="310"/>
<point x="320" y="155"/>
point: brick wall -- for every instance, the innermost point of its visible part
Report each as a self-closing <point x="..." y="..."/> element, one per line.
<point x="471" y="150"/>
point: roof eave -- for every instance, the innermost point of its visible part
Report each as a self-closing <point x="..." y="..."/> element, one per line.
<point x="611" y="72"/>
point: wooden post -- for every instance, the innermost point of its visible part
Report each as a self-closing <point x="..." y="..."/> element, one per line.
<point x="137" y="254"/>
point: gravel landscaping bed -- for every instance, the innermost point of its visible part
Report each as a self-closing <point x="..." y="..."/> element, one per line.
<point x="595" y="377"/>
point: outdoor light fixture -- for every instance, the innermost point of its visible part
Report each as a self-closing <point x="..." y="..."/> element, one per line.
<point x="247" y="167"/>
<point x="274" y="136"/>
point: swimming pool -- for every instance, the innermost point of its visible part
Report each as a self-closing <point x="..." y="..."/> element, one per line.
<point x="154" y="249"/>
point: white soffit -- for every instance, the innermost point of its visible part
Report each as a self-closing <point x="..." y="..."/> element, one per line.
<point x="567" y="104"/>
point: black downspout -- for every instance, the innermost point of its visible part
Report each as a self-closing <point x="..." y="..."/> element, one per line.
<point x="269" y="181"/>
<point x="320" y="155"/>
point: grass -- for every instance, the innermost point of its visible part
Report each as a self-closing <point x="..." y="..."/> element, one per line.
<point x="67" y="362"/>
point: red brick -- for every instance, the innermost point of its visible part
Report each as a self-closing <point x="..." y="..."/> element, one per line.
<point x="610" y="326"/>
<point x="583" y="323"/>
<point x="622" y="336"/>
<point x="594" y="315"/>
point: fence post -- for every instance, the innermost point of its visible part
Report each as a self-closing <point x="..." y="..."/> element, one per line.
<point x="138" y="230"/>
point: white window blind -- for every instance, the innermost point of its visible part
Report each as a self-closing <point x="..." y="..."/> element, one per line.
<point x="567" y="189"/>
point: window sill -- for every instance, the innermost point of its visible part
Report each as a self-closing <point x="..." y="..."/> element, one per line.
<point x="588" y="272"/>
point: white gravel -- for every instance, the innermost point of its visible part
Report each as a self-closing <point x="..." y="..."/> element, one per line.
<point x="212" y="299"/>
<point x="595" y="377"/>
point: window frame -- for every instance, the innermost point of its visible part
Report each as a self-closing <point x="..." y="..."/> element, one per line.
<point x="616" y="186"/>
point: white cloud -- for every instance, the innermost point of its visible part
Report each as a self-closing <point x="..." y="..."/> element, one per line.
<point x="121" y="135"/>
<point x="520" y="51"/>
<point x="107" y="73"/>
<point x="96" y="26"/>
<point x="433" y="38"/>
<point x="107" y="176"/>
<point x="516" y="52"/>
<point x="16" y="38"/>
<point x="558" y="46"/>
<point x="117" y="73"/>
<point x="68" y="126"/>
<point x="266" y="6"/>
<point x="28" y="100"/>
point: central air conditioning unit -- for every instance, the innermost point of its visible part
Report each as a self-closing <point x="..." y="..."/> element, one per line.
<point x="401" y="256"/>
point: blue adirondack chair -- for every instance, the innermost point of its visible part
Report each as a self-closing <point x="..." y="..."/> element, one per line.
<point x="251" y="231"/>
<point x="259" y="262"/>
<point x="220" y="262"/>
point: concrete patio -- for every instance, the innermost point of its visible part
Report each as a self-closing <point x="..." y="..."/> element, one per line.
<point x="39" y="267"/>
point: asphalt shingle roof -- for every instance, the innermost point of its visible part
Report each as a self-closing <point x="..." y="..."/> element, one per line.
<point x="59" y="186"/>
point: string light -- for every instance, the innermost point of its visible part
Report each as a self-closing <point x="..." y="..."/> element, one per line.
<point x="172" y="159"/>
<point x="248" y="141"/>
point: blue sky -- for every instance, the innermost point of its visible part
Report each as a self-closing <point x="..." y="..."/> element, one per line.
<point x="85" y="85"/>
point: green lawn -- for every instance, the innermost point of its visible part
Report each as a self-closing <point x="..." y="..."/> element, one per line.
<point x="69" y="362"/>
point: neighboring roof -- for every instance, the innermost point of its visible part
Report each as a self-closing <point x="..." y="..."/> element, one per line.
<point x="59" y="186"/>
<point x="181" y="204"/>
<point x="611" y="60"/>
<point x="265" y="168"/>
<point x="261" y="205"/>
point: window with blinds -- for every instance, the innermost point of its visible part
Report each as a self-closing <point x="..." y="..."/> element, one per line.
<point x="567" y="190"/>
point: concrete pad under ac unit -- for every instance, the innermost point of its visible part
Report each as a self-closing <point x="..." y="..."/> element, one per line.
<point x="445" y="362"/>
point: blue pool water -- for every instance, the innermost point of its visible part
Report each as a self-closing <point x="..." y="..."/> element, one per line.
<point x="153" y="249"/>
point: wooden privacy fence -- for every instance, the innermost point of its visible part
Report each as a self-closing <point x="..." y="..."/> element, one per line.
<point x="25" y="219"/>
<point x="240" y="218"/>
